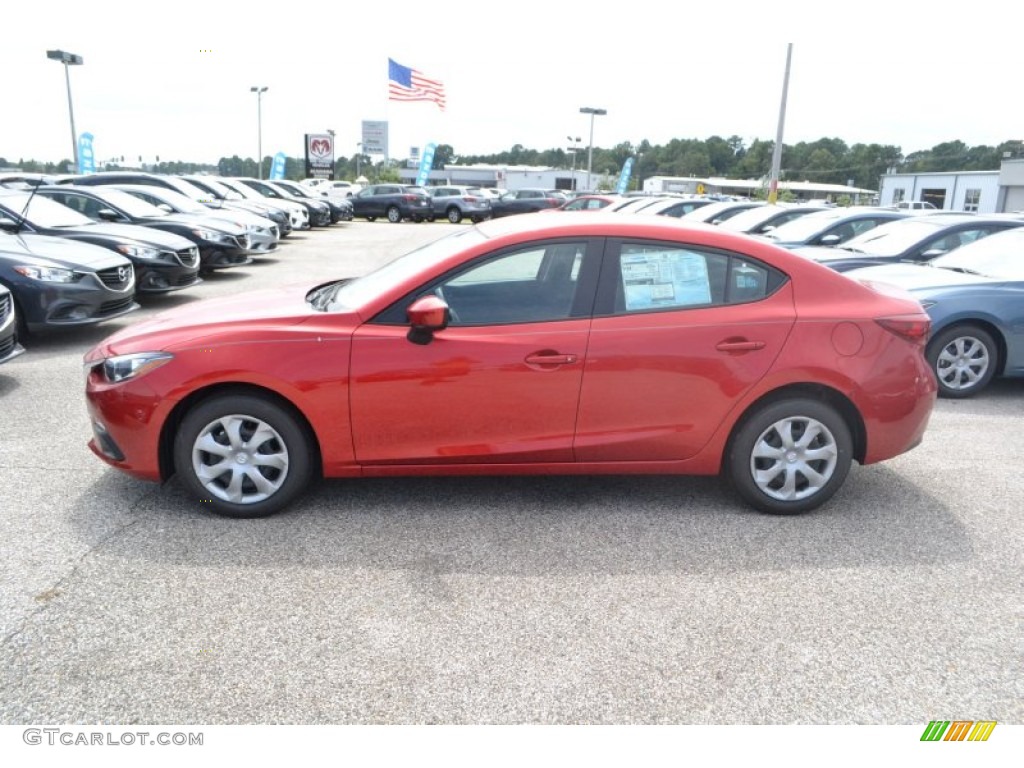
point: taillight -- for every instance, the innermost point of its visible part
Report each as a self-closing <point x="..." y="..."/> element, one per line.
<point x="913" y="328"/>
<point x="469" y="199"/>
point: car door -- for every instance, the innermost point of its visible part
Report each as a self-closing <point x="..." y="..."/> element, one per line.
<point x="500" y="384"/>
<point x="679" y="335"/>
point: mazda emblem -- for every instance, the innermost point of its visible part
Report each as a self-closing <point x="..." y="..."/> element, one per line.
<point x="122" y="274"/>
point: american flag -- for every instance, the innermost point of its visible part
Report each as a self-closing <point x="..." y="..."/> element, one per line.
<point x="405" y="84"/>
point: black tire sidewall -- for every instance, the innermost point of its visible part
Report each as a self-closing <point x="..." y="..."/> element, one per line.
<point x="737" y="463"/>
<point x="294" y="435"/>
<point x="936" y="345"/>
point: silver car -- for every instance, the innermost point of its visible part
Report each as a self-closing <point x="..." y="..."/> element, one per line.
<point x="458" y="203"/>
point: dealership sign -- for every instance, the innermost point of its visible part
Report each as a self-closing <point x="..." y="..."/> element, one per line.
<point x="319" y="156"/>
<point x="375" y="137"/>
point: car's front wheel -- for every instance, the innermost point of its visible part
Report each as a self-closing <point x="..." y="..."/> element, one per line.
<point x="790" y="456"/>
<point x="394" y="215"/>
<point x="964" y="360"/>
<point x="243" y="455"/>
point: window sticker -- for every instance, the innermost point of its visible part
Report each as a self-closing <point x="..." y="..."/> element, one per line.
<point x="657" y="279"/>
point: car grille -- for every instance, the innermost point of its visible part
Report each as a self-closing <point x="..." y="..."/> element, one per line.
<point x="117" y="277"/>
<point x="187" y="279"/>
<point x="188" y="257"/>
<point x="113" y="307"/>
<point x="6" y="307"/>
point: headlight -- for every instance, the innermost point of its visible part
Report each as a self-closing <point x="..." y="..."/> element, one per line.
<point x="139" y="251"/>
<point x="124" y="367"/>
<point x="212" y="235"/>
<point x="47" y="274"/>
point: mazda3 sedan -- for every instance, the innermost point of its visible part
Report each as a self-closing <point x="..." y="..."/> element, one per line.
<point x="582" y="343"/>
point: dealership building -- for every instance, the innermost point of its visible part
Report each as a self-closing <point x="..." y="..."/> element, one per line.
<point x="999" y="191"/>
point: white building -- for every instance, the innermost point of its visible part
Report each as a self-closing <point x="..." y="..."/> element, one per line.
<point x="716" y="185"/>
<point x="503" y="176"/>
<point x="999" y="191"/>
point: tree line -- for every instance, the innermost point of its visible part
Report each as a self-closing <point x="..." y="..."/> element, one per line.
<point x="827" y="160"/>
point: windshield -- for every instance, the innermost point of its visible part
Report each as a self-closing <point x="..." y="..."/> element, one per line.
<point x="130" y="204"/>
<point x="242" y="189"/>
<point x="355" y="293"/>
<point x="894" y="238"/>
<point x="805" y="227"/>
<point x="1000" y="255"/>
<point x="750" y="218"/>
<point x="43" y="212"/>
<point x="180" y="203"/>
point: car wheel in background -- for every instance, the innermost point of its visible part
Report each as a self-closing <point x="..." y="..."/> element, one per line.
<point x="244" y="455"/>
<point x="394" y="215"/>
<point x="454" y="215"/>
<point x="964" y="360"/>
<point x="790" y="456"/>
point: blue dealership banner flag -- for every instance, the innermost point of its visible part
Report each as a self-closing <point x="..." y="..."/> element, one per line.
<point x="426" y="163"/>
<point x="277" y="169"/>
<point x="627" y="170"/>
<point x="86" y="160"/>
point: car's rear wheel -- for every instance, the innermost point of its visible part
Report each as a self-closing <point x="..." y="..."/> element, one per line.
<point x="964" y="360"/>
<point x="790" y="456"/>
<point x="394" y="215"/>
<point x="454" y="215"/>
<point x="243" y="455"/>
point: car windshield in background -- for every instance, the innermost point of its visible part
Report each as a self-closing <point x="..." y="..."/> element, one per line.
<point x="805" y="226"/>
<point x="45" y="213"/>
<point x="181" y="202"/>
<point x="131" y="205"/>
<point x="894" y="238"/>
<point x="357" y="292"/>
<point x="1000" y="255"/>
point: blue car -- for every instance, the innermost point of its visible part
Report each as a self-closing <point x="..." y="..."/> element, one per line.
<point x="975" y="298"/>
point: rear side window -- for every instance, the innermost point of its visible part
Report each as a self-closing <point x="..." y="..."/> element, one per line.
<point x="651" y="277"/>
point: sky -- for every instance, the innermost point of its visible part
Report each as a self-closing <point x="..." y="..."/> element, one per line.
<point x="173" y="80"/>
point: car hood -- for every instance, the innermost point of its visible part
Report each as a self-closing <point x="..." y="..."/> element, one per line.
<point x="914" y="276"/>
<point x="237" y="318"/>
<point x="133" y="232"/>
<point x="44" y="250"/>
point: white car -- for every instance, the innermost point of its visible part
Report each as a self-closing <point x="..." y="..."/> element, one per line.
<point x="298" y="215"/>
<point x="335" y="188"/>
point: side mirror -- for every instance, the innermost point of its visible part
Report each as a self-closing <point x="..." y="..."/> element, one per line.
<point x="933" y="253"/>
<point x="830" y="240"/>
<point x="165" y="208"/>
<point x="427" y="315"/>
<point x="107" y="214"/>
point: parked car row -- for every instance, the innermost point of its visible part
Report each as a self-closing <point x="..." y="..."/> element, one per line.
<point x="82" y="250"/>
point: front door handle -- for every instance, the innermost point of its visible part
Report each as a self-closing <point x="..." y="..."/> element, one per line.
<point x="550" y="358"/>
<point x="739" y="345"/>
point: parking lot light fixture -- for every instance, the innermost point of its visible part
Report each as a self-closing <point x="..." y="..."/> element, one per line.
<point x="259" y="91"/>
<point x="69" y="59"/>
<point x="592" y="111"/>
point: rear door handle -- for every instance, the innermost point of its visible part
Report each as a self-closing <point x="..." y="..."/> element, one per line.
<point x="739" y="345"/>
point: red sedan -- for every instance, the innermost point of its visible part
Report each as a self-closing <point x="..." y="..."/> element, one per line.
<point x="583" y="343"/>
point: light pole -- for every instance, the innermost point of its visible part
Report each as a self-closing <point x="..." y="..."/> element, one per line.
<point x="359" y="157"/>
<point x="592" y="111"/>
<point x="68" y="59"/>
<point x="259" y="91"/>
<point x="573" y="150"/>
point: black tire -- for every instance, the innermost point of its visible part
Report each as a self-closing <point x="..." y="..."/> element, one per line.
<point x="454" y="215"/>
<point x="280" y="459"/>
<point x="964" y="358"/>
<point x="394" y="215"/>
<point x="786" y="481"/>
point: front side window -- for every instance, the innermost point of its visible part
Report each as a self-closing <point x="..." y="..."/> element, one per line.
<point x="534" y="284"/>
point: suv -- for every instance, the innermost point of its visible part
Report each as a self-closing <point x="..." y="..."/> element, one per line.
<point x="457" y="203"/>
<point x="914" y="205"/>
<point x="395" y="201"/>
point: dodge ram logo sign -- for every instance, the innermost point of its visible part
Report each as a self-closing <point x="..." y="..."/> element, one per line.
<point x="319" y="156"/>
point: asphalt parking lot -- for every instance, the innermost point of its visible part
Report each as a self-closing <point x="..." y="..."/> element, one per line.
<point x="508" y="600"/>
